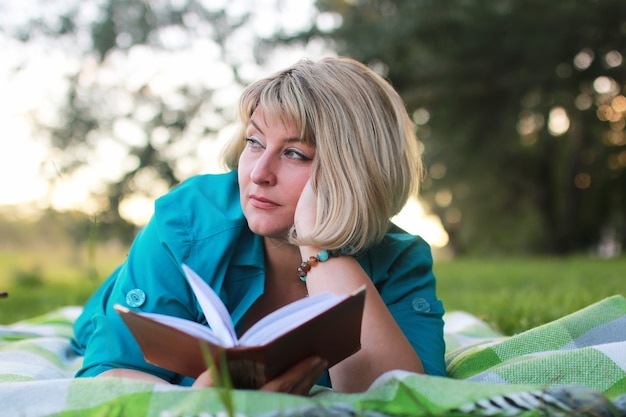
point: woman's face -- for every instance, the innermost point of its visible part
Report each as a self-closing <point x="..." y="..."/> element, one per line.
<point x="273" y="169"/>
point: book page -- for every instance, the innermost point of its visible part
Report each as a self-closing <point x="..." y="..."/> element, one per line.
<point x="215" y="311"/>
<point x="191" y="327"/>
<point x="288" y="318"/>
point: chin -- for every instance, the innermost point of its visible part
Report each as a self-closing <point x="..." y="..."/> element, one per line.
<point x="271" y="232"/>
<point x="263" y="228"/>
<point x="266" y="225"/>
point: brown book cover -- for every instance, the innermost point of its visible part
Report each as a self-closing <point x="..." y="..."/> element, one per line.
<point x="333" y="334"/>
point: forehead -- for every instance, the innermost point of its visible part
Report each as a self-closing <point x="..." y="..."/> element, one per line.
<point x="262" y="118"/>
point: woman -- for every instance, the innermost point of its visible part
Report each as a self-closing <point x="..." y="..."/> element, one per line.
<point x="326" y="156"/>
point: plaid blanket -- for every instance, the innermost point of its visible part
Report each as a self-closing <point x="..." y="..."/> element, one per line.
<point x="574" y="365"/>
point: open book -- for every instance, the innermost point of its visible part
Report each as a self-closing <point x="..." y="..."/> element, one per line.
<point x="327" y="325"/>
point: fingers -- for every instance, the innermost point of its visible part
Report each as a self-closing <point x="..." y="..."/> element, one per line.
<point x="204" y="379"/>
<point x="306" y="211"/>
<point x="300" y="378"/>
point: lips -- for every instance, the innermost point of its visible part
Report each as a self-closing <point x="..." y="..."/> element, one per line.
<point x="262" y="202"/>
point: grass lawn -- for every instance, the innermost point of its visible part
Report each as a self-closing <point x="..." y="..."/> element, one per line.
<point x="42" y="279"/>
<point x="512" y="294"/>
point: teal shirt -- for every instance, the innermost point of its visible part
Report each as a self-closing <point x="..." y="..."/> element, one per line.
<point x="200" y="223"/>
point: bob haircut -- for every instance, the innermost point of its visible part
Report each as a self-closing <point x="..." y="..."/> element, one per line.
<point x="367" y="161"/>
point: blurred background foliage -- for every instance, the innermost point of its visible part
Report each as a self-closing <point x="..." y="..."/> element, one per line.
<point x="520" y="104"/>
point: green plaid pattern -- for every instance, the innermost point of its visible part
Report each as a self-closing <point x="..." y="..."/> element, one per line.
<point x="585" y="348"/>
<point x="576" y="364"/>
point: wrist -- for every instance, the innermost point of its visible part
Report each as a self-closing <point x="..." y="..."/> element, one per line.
<point x="312" y="256"/>
<point x="307" y="251"/>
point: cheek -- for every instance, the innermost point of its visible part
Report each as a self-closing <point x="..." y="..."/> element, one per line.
<point x="243" y="168"/>
<point x="298" y="181"/>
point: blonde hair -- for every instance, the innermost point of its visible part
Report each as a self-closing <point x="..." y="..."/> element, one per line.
<point x="367" y="162"/>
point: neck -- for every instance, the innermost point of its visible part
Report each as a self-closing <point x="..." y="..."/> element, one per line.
<point x="281" y="259"/>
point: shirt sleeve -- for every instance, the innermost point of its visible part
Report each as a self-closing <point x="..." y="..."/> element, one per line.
<point x="401" y="268"/>
<point x="149" y="280"/>
<point x="197" y="223"/>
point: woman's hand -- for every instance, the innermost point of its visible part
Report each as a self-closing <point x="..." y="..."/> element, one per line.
<point x="306" y="211"/>
<point x="299" y="379"/>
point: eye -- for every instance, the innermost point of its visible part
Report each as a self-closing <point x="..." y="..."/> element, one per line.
<point x="254" y="143"/>
<point x="296" y="154"/>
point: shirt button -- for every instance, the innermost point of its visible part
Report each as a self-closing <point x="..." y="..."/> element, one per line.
<point x="420" y="304"/>
<point x="135" y="298"/>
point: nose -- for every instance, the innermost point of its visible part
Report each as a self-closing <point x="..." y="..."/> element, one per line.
<point x="264" y="170"/>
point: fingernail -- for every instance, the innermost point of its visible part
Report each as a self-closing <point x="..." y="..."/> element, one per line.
<point x="319" y="363"/>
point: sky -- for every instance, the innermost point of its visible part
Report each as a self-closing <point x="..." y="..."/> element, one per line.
<point x="26" y="162"/>
<point x="20" y="153"/>
<point x="33" y="90"/>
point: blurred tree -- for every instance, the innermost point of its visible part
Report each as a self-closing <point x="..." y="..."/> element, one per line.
<point x="147" y="87"/>
<point x="519" y="104"/>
